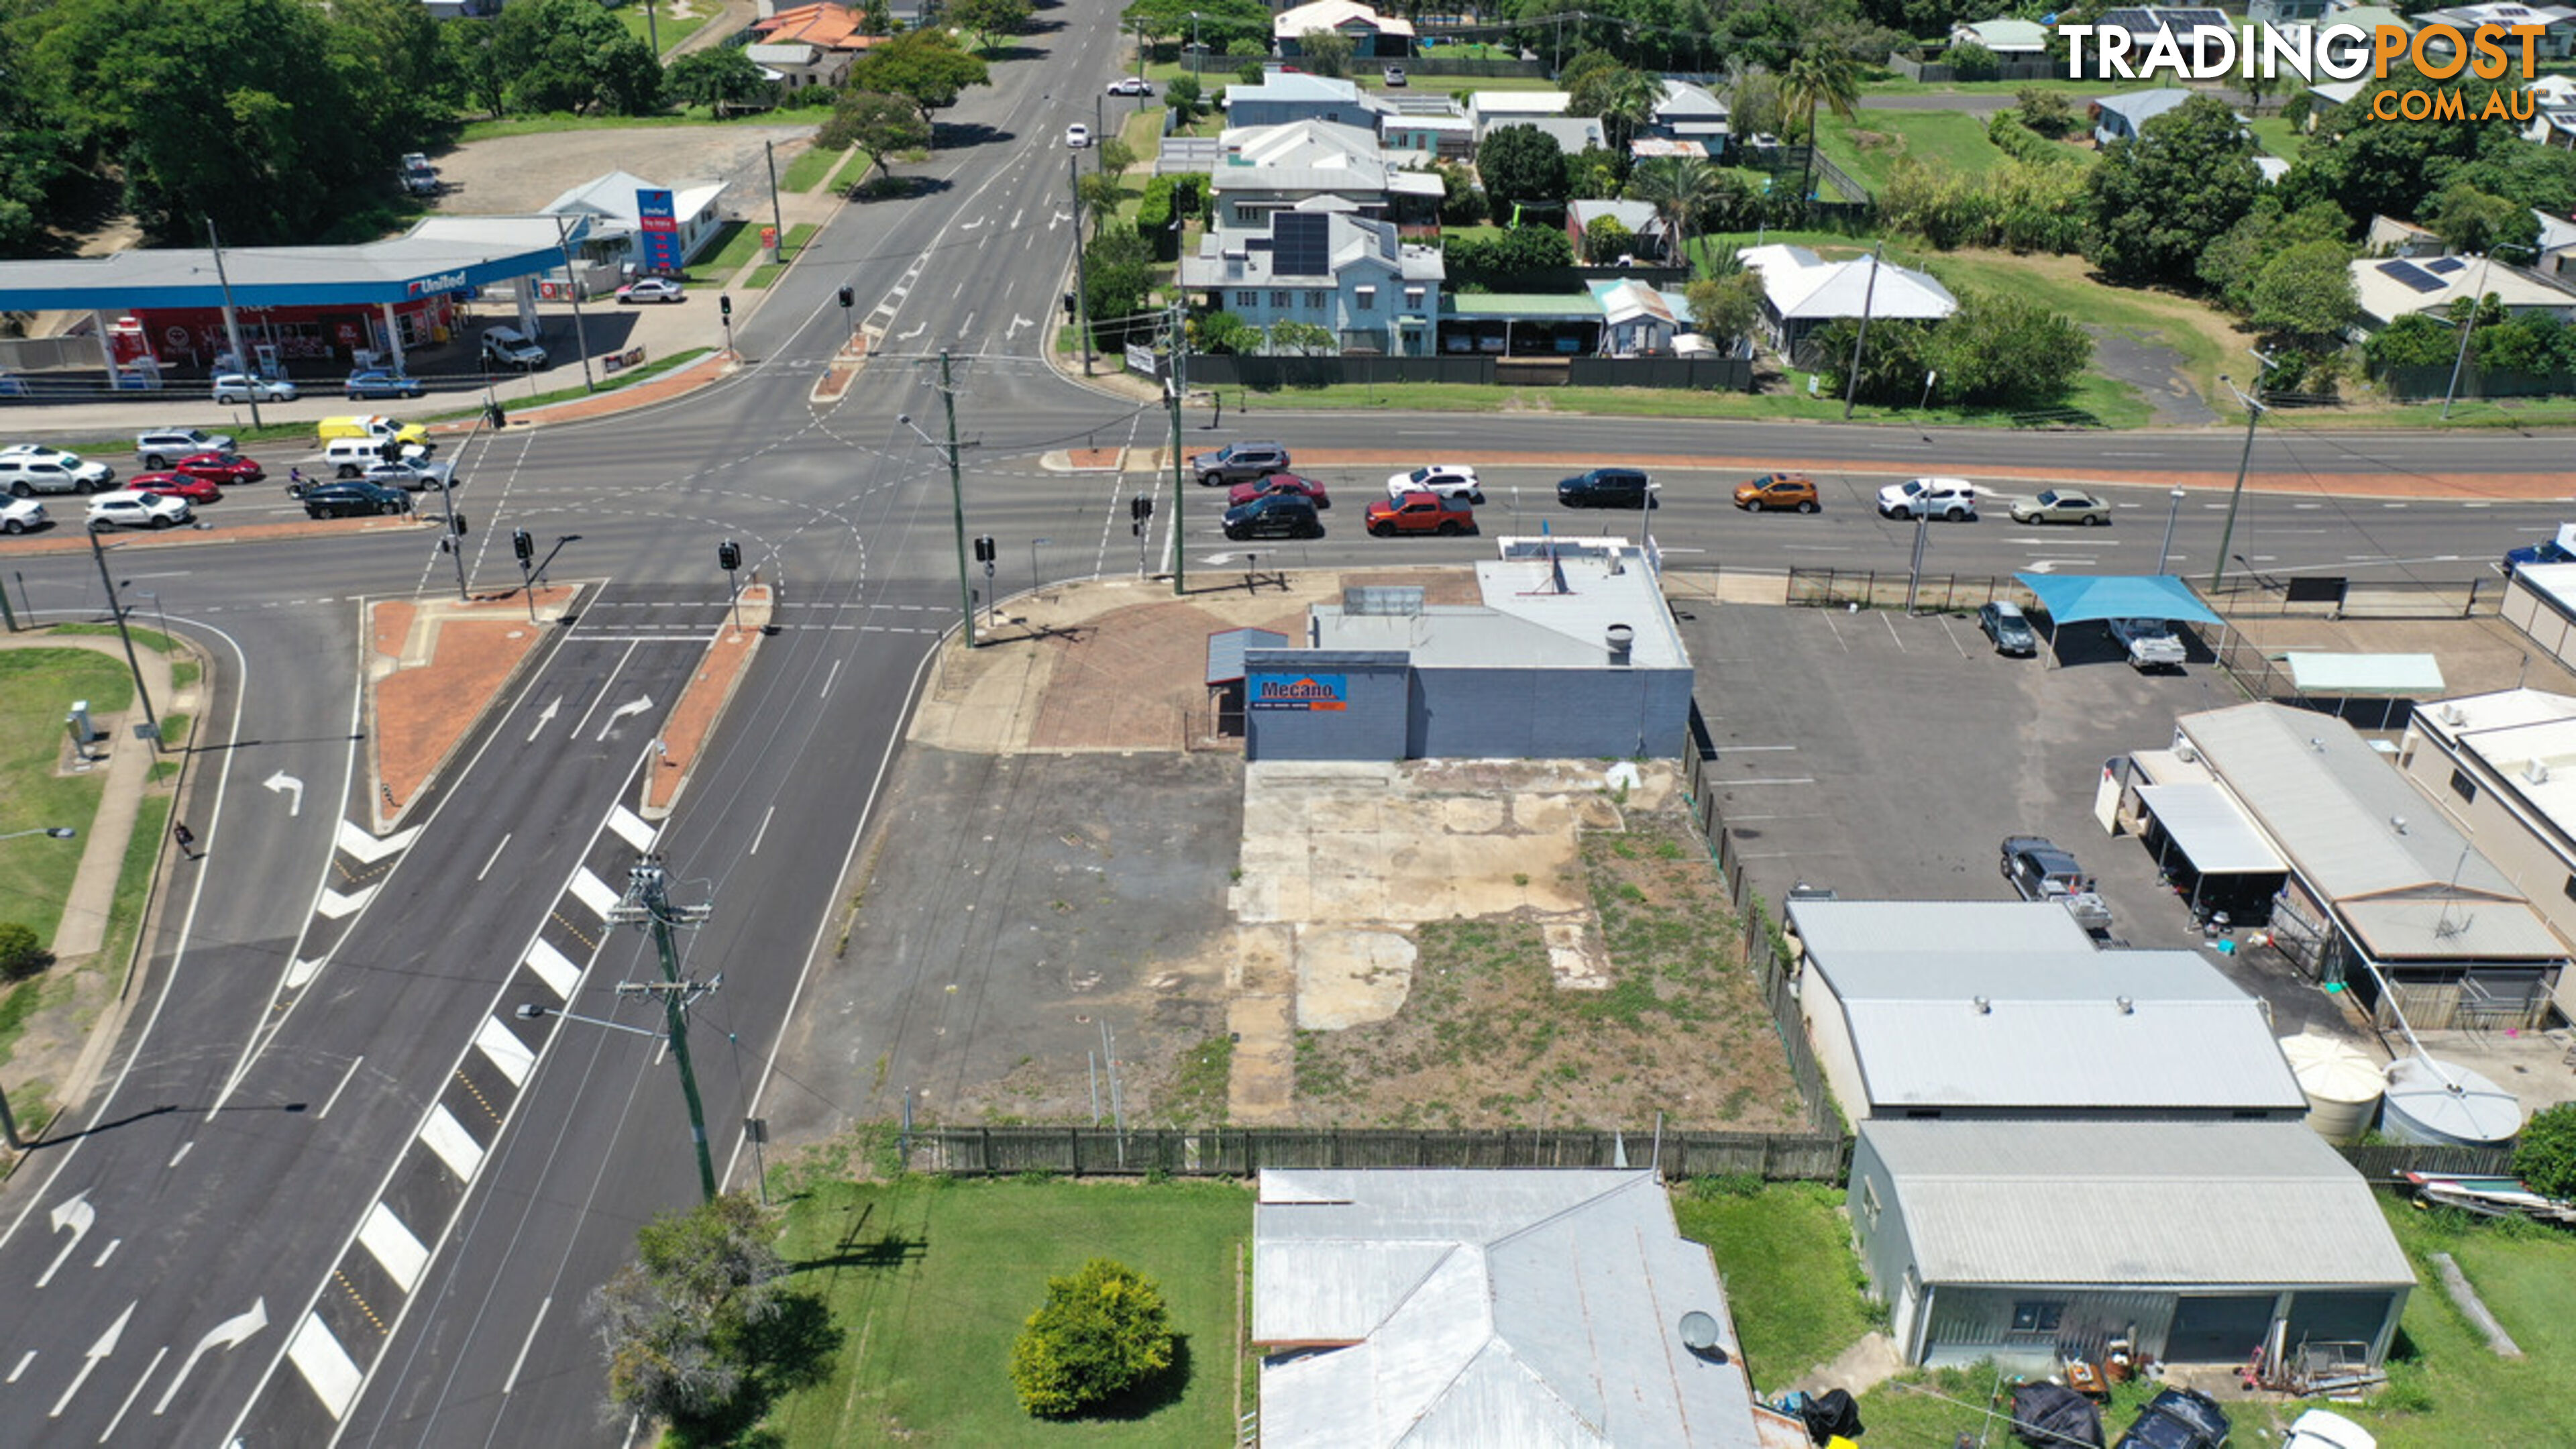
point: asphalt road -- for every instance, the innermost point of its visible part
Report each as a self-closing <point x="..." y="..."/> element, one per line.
<point x="335" y="1190"/>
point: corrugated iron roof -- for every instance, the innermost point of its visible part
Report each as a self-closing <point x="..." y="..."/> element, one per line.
<point x="2099" y="1053"/>
<point x="2210" y="829"/>
<point x="1225" y="651"/>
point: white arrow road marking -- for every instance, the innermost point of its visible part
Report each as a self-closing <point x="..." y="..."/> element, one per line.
<point x="593" y="892"/>
<point x="917" y="330"/>
<point x="1017" y="322"/>
<point x="555" y="969"/>
<point x="335" y="905"/>
<point x="301" y="972"/>
<point x="325" y="1365"/>
<point x="544" y="716"/>
<point x="229" y="1334"/>
<point x="630" y="828"/>
<point x="1058" y="219"/>
<point x="966" y="326"/>
<point x="89" y="1363"/>
<point x="281" y="783"/>
<point x="354" y="840"/>
<point x="394" y="1245"/>
<point x="74" y="1213"/>
<point x="971" y="225"/>
<point x="632" y="706"/>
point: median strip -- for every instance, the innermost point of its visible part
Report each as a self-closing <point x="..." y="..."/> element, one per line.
<point x="433" y="668"/>
<point x="692" y="721"/>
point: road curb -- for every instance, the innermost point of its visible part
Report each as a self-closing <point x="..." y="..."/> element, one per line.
<point x="680" y="754"/>
<point x="547" y="629"/>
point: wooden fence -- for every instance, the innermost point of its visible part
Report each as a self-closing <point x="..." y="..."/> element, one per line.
<point x="1243" y="1151"/>
<point x="2387" y="1162"/>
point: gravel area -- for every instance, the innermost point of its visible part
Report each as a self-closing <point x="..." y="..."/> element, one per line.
<point x="517" y="175"/>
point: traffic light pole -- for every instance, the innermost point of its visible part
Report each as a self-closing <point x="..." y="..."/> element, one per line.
<point x="116" y="606"/>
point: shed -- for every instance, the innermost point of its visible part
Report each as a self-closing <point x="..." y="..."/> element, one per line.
<point x="2026" y="1242"/>
<point x="1225" y="671"/>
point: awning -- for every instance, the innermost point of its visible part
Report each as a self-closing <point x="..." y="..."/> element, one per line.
<point x="2075" y="598"/>
<point x="2211" y="830"/>
<point x="1225" y="652"/>
<point x="2343" y="674"/>
<point x="2458" y="930"/>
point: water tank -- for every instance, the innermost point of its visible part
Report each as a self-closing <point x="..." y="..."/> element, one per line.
<point x="2443" y="1104"/>
<point x="2341" y="1081"/>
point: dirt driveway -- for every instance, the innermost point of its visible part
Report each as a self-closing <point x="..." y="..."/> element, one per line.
<point x="517" y="175"/>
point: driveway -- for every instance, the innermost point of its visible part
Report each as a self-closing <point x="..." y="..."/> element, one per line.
<point x="2156" y="372"/>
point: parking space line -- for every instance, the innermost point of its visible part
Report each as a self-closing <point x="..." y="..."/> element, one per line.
<point x="1783" y="780"/>
<point x="1890" y="622"/>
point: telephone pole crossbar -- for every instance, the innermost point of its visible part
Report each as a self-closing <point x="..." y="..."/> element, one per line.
<point x="647" y="904"/>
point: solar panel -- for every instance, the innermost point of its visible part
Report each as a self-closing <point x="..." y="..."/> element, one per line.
<point x="2412" y="275"/>
<point x="2445" y="266"/>
<point x="1302" y="241"/>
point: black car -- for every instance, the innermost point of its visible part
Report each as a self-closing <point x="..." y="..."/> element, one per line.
<point x="1240" y="463"/>
<point x="2004" y="622"/>
<point x="1607" y="488"/>
<point x="1274" y="515"/>
<point x="2178" y="1419"/>
<point x="351" y="498"/>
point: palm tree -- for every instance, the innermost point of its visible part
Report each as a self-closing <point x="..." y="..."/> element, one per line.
<point x="1680" y="188"/>
<point x="1629" y="105"/>
<point x="1824" y="76"/>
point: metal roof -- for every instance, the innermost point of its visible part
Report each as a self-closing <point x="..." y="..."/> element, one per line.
<point x="2336" y="674"/>
<point x="1475" y="1308"/>
<point x="420" y="263"/>
<point x="1903" y="939"/>
<point x="1225" y="651"/>
<point x="2134" y="1204"/>
<point x="2101" y="1053"/>
<point x="2458" y="929"/>
<point x="2210" y="829"/>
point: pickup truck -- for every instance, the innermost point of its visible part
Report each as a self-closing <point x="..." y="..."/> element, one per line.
<point x="2150" y="642"/>
<point x="2561" y="549"/>
<point x="2039" y="871"/>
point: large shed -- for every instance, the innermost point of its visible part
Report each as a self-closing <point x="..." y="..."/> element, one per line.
<point x="2027" y="1242"/>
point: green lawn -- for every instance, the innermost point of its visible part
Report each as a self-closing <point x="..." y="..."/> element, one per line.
<point x="809" y="168"/>
<point x="133" y="883"/>
<point x="668" y="28"/>
<point x="736" y="242"/>
<point x="2279" y="137"/>
<point x="1868" y="144"/>
<point x="36" y="686"/>
<point x="768" y="272"/>
<point x="1791" y="1280"/>
<point x="929" y="1280"/>
<point x="542" y="125"/>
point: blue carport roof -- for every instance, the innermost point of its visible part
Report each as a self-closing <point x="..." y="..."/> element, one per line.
<point x="2074" y="598"/>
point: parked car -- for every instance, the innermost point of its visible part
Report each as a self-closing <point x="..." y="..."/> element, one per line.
<point x="510" y="347"/>
<point x="1420" y="513"/>
<point x="1777" y="490"/>
<point x="379" y="382"/>
<point x="1449" y="480"/>
<point x="2042" y="872"/>
<point x="1309" y="488"/>
<point x="31" y="473"/>
<point x="2002" y="622"/>
<point x="1954" y="499"/>
<point x="1607" y="488"/>
<point x="353" y="498"/>
<point x="409" y="474"/>
<point x="223" y="468"/>
<point x="1077" y="135"/>
<point x="2150" y="642"/>
<point x="241" y="387"/>
<point x="2178" y="1419"/>
<point x="33" y="450"/>
<point x="126" y="508"/>
<point x="2326" y="1429"/>
<point x="651" y="289"/>
<point x="1394" y="77"/>
<point x="2561" y="549"/>
<point x="2061" y="505"/>
<point x="178" y="485"/>
<point x="163" y="446"/>
<point x="17" y="515"/>
<point x="1240" y="463"/>
<point x="1274" y="515"/>
<point x="1131" y="85"/>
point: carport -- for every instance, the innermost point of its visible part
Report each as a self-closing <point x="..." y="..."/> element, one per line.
<point x="2344" y="678"/>
<point x="2207" y="848"/>
<point x="2087" y="598"/>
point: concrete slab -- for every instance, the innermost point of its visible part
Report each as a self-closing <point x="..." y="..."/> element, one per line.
<point x="1349" y="977"/>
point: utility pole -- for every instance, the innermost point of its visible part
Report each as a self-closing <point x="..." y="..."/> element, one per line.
<point x="572" y="289"/>
<point x="2226" y="536"/>
<point x="1869" y="294"/>
<point x="232" y="324"/>
<point x="2173" y="515"/>
<point x="956" y="494"/>
<point x="116" y="606"/>
<point x="777" y="223"/>
<point x="2477" y="299"/>
<point x="1081" y="264"/>
<point x="1180" y="385"/>
<point x="646" y="904"/>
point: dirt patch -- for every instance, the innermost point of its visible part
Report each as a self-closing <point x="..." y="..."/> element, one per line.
<point x="518" y="175"/>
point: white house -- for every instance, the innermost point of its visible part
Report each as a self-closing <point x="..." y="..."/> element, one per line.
<point x="1372" y="35"/>
<point x="1285" y="96"/>
<point x="795" y="66"/>
<point x="2553" y="121"/>
<point x="1802" y="292"/>
<point x="1320" y="264"/>
<point x="1488" y="109"/>
<point x="616" y="215"/>
<point x="1263" y="169"/>
<point x="2007" y="39"/>
<point x="2396" y="287"/>
<point x="2125" y="117"/>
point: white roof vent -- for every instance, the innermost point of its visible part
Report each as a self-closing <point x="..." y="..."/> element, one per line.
<point x="2537" y="772"/>
<point x="2452" y="714"/>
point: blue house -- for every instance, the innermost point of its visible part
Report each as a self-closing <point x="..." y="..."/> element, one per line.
<point x="1323" y="265"/>
<point x="2124" y="118"/>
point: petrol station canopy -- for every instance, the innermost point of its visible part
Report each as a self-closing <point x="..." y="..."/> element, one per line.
<point x="441" y="254"/>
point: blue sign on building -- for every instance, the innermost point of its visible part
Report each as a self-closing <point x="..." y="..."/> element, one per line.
<point x="1299" y="691"/>
<point x="660" y="225"/>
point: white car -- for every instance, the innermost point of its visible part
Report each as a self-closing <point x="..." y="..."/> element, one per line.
<point x="2150" y="643"/>
<point x="236" y="387"/>
<point x="1131" y="85"/>
<point x="126" y="508"/>
<point x="1449" y="480"/>
<point x="35" y="450"/>
<point x="17" y="515"/>
<point x="1952" y="498"/>
<point x="1077" y="135"/>
<point x="2326" y="1429"/>
<point x="651" y="289"/>
<point x="164" y="446"/>
<point x="410" y="474"/>
<point x="53" y="472"/>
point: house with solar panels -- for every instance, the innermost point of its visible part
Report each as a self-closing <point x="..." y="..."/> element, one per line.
<point x="2398" y="286"/>
<point x="2196" y="32"/>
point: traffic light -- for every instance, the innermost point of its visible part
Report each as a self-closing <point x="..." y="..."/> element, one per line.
<point x="984" y="549"/>
<point x="522" y="545"/>
<point x="724" y="305"/>
<point x="456" y="525"/>
<point x="847" y="297"/>
<point x="728" y="555"/>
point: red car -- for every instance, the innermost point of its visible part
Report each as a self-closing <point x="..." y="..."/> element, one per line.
<point x="181" y="485"/>
<point x="223" y="468"/>
<point x="1306" y="488"/>
<point x="1420" y="513"/>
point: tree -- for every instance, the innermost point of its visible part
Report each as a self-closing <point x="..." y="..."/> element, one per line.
<point x="1821" y="77"/>
<point x="2470" y="220"/>
<point x="2157" y="202"/>
<point x="1758" y="104"/>
<point x="1681" y="188"/>
<point x="570" y="55"/>
<point x="2305" y="298"/>
<point x="1224" y="333"/>
<point x="2414" y="340"/>
<point x="1117" y="269"/>
<point x="2048" y="112"/>
<point x="1182" y="94"/>
<point x="1304" y="338"/>
<point x="1461" y="204"/>
<point x="717" y="77"/>
<point x="1606" y="239"/>
<point x="876" y="17"/>
<point x="1594" y="171"/>
<point x="1101" y="1331"/>
<point x="1324" y="52"/>
<point x="1217" y="21"/>
<point x="2544" y="1157"/>
<point x="1969" y="61"/>
<point x="1100" y="194"/>
<point x="1116" y="155"/>
<point x="2230" y="265"/>
<point x="684" y="1323"/>
<point x="469" y="52"/>
<point x="2534" y="342"/>
<point x="1585" y="78"/>
<point x="21" y="954"/>
<point x="1725" y="308"/>
<point x="988" y="20"/>
<point x="2004" y="349"/>
<point x="924" y="67"/>
<point x="875" y="125"/>
<point x="1629" y="107"/>
<point x="1521" y="163"/>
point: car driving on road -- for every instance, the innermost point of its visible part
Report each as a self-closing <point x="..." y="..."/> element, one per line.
<point x="163" y="446"/>
<point x="126" y="508"/>
<point x="1420" y="513"/>
<point x="17" y="515"/>
<point x="409" y="474"/>
<point x="1777" y="490"/>
<point x="1308" y="488"/>
<point x="1953" y="499"/>
<point x="177" y="485"/>
<point x="30" y="473"/>
<point x="353" y="498"/>
<point x="1449" y="480"/>
<point x="1607" y="488"/>
<point x="1274" y="515"/>
<point x="224" y="468"/>
<point x="1131" y="85"/>
<point x="2061" y="505"/>
<point x="1239" y="463"/>
<point x="1077" y="135"/>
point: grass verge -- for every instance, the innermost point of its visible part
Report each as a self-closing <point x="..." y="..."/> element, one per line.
<point x="1792" y="1282"/>
<point x="768" y="272"/>
<point x="736" y="240"/>
<point x="133" y="887"/>
<point x="152" y="639"/>
<point x="36" y="871"/>
<point x="615" y="380"/>
<point x="809" y="168"/>
<point x="548" y="124"/>
<point x="929" y="1280"/>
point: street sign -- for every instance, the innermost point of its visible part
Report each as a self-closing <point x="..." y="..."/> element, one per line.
<point x="1142" y="359"/>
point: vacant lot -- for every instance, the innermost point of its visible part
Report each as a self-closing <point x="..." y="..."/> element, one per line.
<point x="1784" y="1253"/>
<point x="516" y="175"/>
<point x="1874" y="139"/>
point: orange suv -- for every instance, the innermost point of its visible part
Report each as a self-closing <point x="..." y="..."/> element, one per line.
<point x="1420" y="513"/>
<point x="1777" y="490"/>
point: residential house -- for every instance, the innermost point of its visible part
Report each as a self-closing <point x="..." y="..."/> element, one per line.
<point x="1426" y="1308"/>
<point x="1640" y="218"/>
<point x="2191" y="34"/>
<point x="835" y="28"/>
<point x="1488" y="109"/>
<point x="2558" y="22"/>
<point x="2030" y="1243"/>
<point x="1287" y="96"/>
<point x="1691" y="112"/>
<point x="1573" y="135"/>
<point x="2395" y="288"/>
<point x="795" y="66"/>
<point x="1263" y="169"/>
<point x="1639" y="319"/>
<point x="2389" y="237"/>
<point x="2557" y="244"/>
<point x="1802" y="292"/>
<point x="1424" y="126"/>
<point x="1319" y="262"/>
<point x="2502" y="766"/>
<point x="2125" y="117"/>
<point x="1987" y="1009"/>
<point x="2006" y="39"/>
<point x="1373" y="36"/>
<point x="615" y="211"/>
<point x="2553" y="121"/>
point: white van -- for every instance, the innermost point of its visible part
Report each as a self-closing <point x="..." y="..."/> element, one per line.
<point x="349" y="457"/>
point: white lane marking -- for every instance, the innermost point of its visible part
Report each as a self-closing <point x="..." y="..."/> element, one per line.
<point x="593" y="892"/>
<point x="828" y="678"/>
<point x="299" y="971"/>
<point x="394" y="1245"/>
<point x="602" y="697"/>
<point x="521" y="1361"/>
<point x="281" y="783"/>
<point x="1789" y="780"/>
<point x="184" y="1149"/>
<point x="21" y="1368"/>
<point x="496" y="855"/>
<point x="510" y="1055"/>
<point x="632" y="706"/>
<point x="554" y="968"/>
<point x="230" y="1334"/>
<point x="329" y="1102"/>
<point x="106" y="1253"/>
<point x="326" y="1366"/>
<point x="762" y="833"/>
<point x="334" y="905"/>
<point x="630" y="827"/>
<point x="444" y="1135"/>
<point x="544" y="718"/>
<point x="75" y="1213"/>
<point x="354" y="840"/>
<point x="1723" y="749"/>
<point x="136" y="1392"/>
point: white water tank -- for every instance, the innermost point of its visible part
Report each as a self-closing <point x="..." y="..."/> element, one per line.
<point x="2448" y="1105"/>
<point x="2341" y="1081"/>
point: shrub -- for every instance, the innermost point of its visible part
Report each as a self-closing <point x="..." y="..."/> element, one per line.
<point x="1606" y="239"/>
<point x="2545" y="1157"/>
<point x="21" y="954"/>
<point x="2048" y="112"/>
<point x="1970" y="61"/>
<point x="1101" y="1332"/>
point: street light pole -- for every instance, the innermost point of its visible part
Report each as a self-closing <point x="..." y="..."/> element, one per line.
<point x="2165" y="549"/>
<point x="572" y="289"/>
<point x="647" y="904"/>
<point x="232" y="326"/>
<point x="1081" y="263"/>
<point x="2227" y="536"/>
<point x="1034" y="545"/>
<point x="1180" y="384"/>
<point x="2469" y="325"/>
<point x="116" y="606"/>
